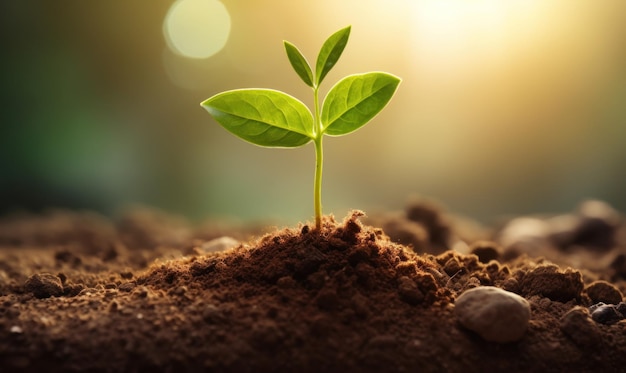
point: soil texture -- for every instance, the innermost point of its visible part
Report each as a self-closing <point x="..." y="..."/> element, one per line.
<point x="150" y="292"/>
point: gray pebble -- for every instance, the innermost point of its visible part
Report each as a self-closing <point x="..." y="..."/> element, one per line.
<point x="495" y="314"/>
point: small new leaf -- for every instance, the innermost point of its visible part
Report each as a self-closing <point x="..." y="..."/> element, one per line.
<point x="263" y="117"/>
<point x="299" y="63"/>
<point x="355" y="100"/>
<point x="330" y="53"/>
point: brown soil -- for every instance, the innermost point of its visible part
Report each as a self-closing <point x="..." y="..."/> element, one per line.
<point x="150" y="293"/>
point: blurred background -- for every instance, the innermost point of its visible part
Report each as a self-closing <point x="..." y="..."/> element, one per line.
<point x="506" y="107"/>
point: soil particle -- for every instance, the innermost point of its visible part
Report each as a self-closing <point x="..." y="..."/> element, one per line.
<point x="549" y="281"/>
<point x="486" y="251"/>
<point x="423" y="226"/>
<point x="494" y="314"/>
<point x="602" y="291"/>
<point x="65" y="256"/>
<point x="408" y="290"/>
<point x="429" y="215"/>
<point x="579" y="327"/>
<point x="408" y="233"/>
<point x="453" y="266"/>
<point x="44" y="285"/>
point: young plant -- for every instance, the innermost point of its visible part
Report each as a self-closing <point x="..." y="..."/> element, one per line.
<point x="271" y="118"/>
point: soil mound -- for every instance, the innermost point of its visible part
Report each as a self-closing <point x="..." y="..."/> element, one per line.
<point x="344" y="298"/>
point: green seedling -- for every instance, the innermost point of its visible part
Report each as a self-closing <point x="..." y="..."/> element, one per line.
<point x="271" y="118"/>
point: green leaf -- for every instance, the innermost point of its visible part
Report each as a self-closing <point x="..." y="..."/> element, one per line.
<point x="299" y="63"/>
<point x="263" y="117"/>
<point x="330" y="53"/>
<point x="355" y="100"/>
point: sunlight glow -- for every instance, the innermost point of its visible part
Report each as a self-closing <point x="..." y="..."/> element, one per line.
<point x="453" y="32"/>
<point x="196" y="28"/>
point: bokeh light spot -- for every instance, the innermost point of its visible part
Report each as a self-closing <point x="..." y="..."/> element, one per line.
<point x="196" y="28"/>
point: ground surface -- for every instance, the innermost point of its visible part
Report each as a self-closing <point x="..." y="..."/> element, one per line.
<point x="150" y="292"/>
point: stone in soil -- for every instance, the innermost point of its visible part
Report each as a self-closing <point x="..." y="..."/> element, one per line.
<point x="606" y="313"/>
<point x="495" y="314"/>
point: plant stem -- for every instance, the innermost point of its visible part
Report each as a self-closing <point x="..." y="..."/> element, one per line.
<point x="319" y="159"/>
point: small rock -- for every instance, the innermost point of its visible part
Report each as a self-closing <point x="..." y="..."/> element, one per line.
<point x="605" y="313"/>
<point x="44" y="285"/>
<point x="602" y="291"/>
<point x="496" y="315"/>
